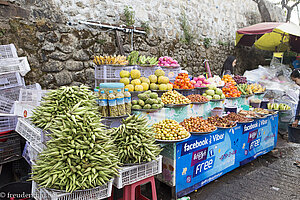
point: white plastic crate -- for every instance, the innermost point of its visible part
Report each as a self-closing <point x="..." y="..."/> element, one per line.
<point x="7" y="122"/>
<point x="28" y="131"/>
<point x="8" y="51"/>
<point x="35" y="86"/>
<point x="97" y="193"/>
<point x="25" y="153"/>
<point x="10" y="80"/>
<point x="133" y="174"/>
<point x="109" y="73"/>
<point x="171" y="73"/>
<point x="20" y="65"/>
<point x="24" y="109"/>
<point x="30" y="95"/>
<point x="34" y="150"/>
<point x="6" y="105"/>
<point x="11" y="93"/>
<point x="147" y="71"/>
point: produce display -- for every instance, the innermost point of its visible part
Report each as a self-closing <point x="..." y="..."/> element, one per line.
<point x="255" y="101"/>
<point x="133" y="58"/>
<point x="276" y="106"/>
<point x="245" y="89"/>
<point x="167" y="62"/>
<point x="240" y="79"/>
<point x="81" y="154"/>
<point x="169" y="129"/>
<point x="158" y="81"/>
<point x="257" y="88"/>
<point x="197" y="124"/>
<point x="216" y="80"/>
<point x="174" y="97"/>
<point x="248" y="113"/>
<point x="228" y="79"/>
<point x="261" y="111"/>
<point x="183" y="81"/>
<point x="214" y="93"/>
<point x="237" y="118"/>
<point x="137" y="82"/>
<point x="200" y="81"/>
<point x="231" y="91"/>
<point x="197" y="98"/>
<point x="110" y="60"/>
<point x="147" y="100"/>
<point x="135" y="141"/>
<point x="221" y="122"/>
<point x="147" y="61"/>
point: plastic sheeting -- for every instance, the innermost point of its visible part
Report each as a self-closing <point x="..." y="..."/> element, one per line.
<point x="276" y="79"/>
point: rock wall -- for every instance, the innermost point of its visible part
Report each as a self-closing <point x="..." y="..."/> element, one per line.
<point x="60" y="54"/>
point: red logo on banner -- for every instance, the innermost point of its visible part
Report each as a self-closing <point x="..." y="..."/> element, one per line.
<point x="25" y="113"/>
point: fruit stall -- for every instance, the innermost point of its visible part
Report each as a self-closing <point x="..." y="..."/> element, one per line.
<point x="146" y="118"/>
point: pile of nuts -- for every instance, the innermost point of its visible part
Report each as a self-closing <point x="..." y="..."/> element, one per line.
<point x="169" y="129"/>
<point x="248" y="113"/>
<point x="221" y="122"/>
<point x="197" y="98"/>
<point x="197" y="124"/>
<point x="174" y="97"/>
<point x="261" y="111"/>
<point x="237" y="118"/>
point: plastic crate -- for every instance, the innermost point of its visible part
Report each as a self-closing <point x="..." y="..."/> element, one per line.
<point x="25" y="153"/>
<point x="31" y="95"/>
<point x="129" y="175"/>
<point x="6" y="105"/>
<point x="23" y="109"/>
<point x="28" y="131"/>
<point x="45" y="137"/>
<point x="97" y="193"/>
<point x="20" y="65"/>
<point x="8" y="51"/>
<point x="8" y="122"/>
<point x="10" y="148"/>
<point x="147" y="71"/>
<point x="10" y="80"/>
<point x="171" y="73"/>
<point x="35" y="86"/>
<point x="11" y="93"/>
<point x="109" y="73"/>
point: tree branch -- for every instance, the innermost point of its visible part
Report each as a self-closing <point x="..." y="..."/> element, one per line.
<point x="295" y="4"/>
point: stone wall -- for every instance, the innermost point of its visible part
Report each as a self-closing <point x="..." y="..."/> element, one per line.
<point x="60" y="54"/>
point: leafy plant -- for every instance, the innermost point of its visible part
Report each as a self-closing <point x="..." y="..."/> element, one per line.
<point x="101" y="41"/>
<point x="2" y="32"/>
<point x="223" y="43"/>
<point x="187" y="35"/>
<point x="207" y="42"/>
<point x="146" y="26"/>
<point x="129" y="16"/>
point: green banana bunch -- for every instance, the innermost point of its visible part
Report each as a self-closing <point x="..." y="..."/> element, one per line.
<point x="143" y="60"/>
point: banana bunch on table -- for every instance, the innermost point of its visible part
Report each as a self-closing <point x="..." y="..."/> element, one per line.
<point x="110" y="60"/>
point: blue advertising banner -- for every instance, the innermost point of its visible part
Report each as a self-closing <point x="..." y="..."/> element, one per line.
<point x="204" y="158"/>
<point x="258" y="138"/>
<point x="201" y="159"/>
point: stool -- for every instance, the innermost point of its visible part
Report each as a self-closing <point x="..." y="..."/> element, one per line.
<point x="133" y="191"/>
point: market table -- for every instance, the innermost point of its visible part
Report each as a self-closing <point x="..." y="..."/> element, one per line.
<point x="198" y="160"/>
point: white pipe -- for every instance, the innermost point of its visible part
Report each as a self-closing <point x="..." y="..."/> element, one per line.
<point x="111" y="27"/>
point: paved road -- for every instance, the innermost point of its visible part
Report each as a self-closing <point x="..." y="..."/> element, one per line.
<point x="269" y="177"/>
<point x="272" y="176"/>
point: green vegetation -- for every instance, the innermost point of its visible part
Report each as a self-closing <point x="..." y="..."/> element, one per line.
<point x="129" y="16"/>
<point x="207" y="42"/>
<point x="187" y="35"/>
